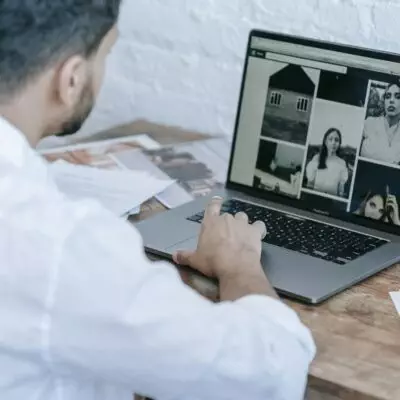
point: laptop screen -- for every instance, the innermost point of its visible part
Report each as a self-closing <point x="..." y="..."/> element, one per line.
<point x="319" y="127"/>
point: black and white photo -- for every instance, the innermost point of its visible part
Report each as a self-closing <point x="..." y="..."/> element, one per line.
<point x="376" y="193"/>
<point x="289" y="103"/>
<point x="381" y="137"/>
<point x="193" y="175"/>
<point x="345" y="88"/>
<point x="279" y="168"/>
<point x="334" y="137"/>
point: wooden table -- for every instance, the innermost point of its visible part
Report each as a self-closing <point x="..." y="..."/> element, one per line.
<point x="357" y="332"/>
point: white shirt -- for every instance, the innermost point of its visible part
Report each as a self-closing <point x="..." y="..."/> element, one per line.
<point x="85" y="316"/>
<point x="327" y="180"/>
<point x="381" y="141"/>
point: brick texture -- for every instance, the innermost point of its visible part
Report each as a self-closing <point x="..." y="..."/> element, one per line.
<point x="180" y="61"/>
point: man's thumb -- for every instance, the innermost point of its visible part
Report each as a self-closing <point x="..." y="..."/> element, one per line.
<point x="183" y="257"/>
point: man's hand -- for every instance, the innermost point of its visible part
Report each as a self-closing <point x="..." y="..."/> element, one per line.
<point x="227" y="245"/>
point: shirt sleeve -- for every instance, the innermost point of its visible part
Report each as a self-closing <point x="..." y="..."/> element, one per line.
<point x="117" y="318"/>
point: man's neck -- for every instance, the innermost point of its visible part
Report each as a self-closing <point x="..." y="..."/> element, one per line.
<point x="20" y="115"/>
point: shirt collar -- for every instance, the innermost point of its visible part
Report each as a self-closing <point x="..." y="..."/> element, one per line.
<point x="16" y="154"/>
<point x="14" y="147"/>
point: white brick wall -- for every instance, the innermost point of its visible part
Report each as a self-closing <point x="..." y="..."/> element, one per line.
<point x="180" y="61"/>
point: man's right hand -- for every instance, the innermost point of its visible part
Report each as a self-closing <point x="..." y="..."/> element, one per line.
<point x="227" y="245"/>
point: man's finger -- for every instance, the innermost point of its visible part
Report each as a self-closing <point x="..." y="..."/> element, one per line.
<point x="213" y="209"/>
<point x="183" y="257"/>
<point x="260" y="226"/>
<point x="241" y="216"/>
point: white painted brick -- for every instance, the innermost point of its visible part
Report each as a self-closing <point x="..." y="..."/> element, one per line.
<point x="180" y="61"/>
<point x="386" y="17"/>
<point x="197" y="77"/>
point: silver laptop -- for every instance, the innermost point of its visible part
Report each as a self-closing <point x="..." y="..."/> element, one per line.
<point x="316" y="156"/>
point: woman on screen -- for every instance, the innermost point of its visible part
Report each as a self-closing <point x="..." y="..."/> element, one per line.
<point x="381" y="137"/>
<point x="380" y="208"/>
<point x="372" y="207"/>
<point x="327" y="172"/>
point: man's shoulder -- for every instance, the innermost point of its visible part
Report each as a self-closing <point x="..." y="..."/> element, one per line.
<point x="34" y="203"/>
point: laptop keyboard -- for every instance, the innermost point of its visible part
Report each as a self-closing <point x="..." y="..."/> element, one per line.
<point x="305" y="236"/>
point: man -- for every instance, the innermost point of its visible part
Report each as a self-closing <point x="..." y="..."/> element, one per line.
<point x="84" y="314"/>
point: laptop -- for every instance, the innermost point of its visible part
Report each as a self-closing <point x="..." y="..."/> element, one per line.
<point x="316" y="156"/>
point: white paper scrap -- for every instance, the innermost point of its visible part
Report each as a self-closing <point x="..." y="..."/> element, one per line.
<point x="396" y="300"/>
<point x="120" y="191"/>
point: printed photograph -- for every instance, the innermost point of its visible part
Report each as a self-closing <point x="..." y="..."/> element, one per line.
<point x="376" y="193"/>
<point x="381" y="136"/>
<point x="100" y="155"/>
<point x="319" y="202"/>
<point x="191" y="174"/>
<point x="289" y="103"/>
<point x="279" y="168"/>
<point x="334" y="138"/>
<point x="343" y="88"/>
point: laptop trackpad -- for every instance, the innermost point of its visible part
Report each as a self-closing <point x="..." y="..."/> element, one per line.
<point x="188" y="244"/>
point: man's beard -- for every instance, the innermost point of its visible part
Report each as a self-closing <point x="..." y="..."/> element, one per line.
<point x="80" y="114"/>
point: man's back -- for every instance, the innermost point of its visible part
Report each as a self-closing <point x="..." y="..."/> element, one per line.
<point x="33" y="230"/>
<point x="86" y="316"/>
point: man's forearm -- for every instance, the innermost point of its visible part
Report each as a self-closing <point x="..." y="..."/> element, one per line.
<point x="238" y="284"/>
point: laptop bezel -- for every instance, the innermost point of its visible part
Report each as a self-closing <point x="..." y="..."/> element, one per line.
<point x="281" y="199"/>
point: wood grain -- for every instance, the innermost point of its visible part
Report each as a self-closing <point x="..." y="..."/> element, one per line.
<point x="357" y="332"/>
<point x="357" y="336"/>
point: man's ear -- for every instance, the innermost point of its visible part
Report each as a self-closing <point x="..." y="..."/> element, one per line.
<point x="70" y="80"/>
